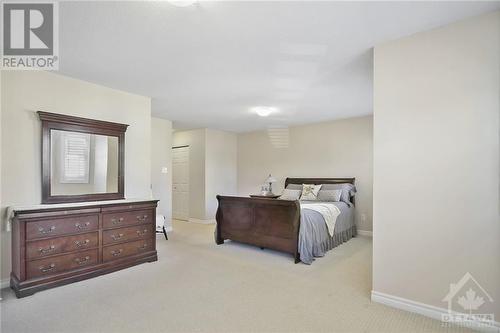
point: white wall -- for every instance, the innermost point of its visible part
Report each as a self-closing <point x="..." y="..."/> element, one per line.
<point x="340" y="148"/>
<point x="212" y="168"/>
<point x="25" y="92"/>
<point x="436" y="162"/>
<point x="101" y="163"/>
<point x="195" y="139"/>
<point x="161" y="156"/>
<point x="220" y="168"/>
<point x="112" y="172"/>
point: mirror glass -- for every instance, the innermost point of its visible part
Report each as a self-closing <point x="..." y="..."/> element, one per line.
<point x="83" y="163"/>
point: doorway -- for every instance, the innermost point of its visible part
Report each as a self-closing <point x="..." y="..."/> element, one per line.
<point x="180" y="183"/>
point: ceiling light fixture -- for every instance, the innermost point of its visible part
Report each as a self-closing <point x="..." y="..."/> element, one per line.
<point x="264" y="111"/>
<point x="182" y="3"/>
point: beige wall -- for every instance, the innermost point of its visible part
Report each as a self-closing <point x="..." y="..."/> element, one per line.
<point x="220" y="168"/>
<point x="436" y="162"/>
<point x="3" y="235"/>
<point x="161" y="156"/>
<point x="25" y="92"/>
<point x="340" y="148"/>
<point x="195" y="139"/>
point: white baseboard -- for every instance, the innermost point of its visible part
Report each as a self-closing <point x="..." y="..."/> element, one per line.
<point x="5" y="283"/>
<point x="200" y="221"/>
<point x="365" y="233"/>
<point x="427" y="310"/>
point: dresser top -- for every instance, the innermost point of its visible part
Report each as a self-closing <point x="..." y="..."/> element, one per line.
<point x="15" y="210"/>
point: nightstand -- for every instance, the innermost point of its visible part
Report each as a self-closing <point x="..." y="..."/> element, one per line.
<point x="274" y="196"/>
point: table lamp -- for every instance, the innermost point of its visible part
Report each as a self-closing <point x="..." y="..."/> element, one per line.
<point x="270" y="180"/>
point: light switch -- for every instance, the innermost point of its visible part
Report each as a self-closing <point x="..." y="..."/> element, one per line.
<point x="164" y="170"/>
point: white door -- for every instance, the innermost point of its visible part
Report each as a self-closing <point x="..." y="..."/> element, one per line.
<point x="180" y="183"/>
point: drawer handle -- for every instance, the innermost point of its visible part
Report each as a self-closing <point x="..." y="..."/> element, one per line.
<point x="116" y="237"/>
<point x="82" y="261"/>
<point x="143" y="247"/>
<point x="142" y="218"/>
<point x="116" y="252"/>
<point x="82" y="243"/>
<point x="117" y="221"/>
<point x="82" y="226"/>
<point x="47" y="250"/>
<point x="47" y="269"/>
<point x="46" y="231"/>
<point x="139" y="233"/>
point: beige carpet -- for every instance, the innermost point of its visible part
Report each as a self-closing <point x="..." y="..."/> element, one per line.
<point x="197" y="286"/>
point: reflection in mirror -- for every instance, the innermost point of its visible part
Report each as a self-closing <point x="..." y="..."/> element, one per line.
<point x="83" y="163"/>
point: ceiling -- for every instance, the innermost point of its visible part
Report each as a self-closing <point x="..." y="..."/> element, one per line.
<point x="206" y="65"/>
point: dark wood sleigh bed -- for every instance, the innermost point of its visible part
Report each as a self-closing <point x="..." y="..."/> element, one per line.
<point x="263" y="222"/>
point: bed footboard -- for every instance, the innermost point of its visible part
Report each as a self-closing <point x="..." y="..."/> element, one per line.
<point x="267" y="223"/>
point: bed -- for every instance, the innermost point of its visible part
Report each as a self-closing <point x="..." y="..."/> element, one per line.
<point x="285" y="225"/>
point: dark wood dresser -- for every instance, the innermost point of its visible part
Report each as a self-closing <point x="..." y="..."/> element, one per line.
<point x="52" y="246"/>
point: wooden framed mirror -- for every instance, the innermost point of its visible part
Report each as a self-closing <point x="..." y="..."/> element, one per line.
<point x="82" y="159"/>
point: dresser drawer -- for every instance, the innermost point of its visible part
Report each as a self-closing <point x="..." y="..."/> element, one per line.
<point x="126" y="249"/>
<point x="47" y="247"/>
<point x="127" y="234"/>
<point x="61" y="226"/>
<point x="48" y="266"/>
<point x="119" y="219"/>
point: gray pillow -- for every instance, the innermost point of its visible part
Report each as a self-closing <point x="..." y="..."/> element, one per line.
<point x="329" y="195"/>
<point x="348" y="190"/>
<point x="289" y="194"/>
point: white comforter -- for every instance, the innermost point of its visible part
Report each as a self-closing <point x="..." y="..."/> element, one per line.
<point x="330" y="212"/>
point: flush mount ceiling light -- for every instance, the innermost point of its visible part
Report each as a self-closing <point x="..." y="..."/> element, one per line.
<point x="182" y="3"/>
<point x="264" y="111"/>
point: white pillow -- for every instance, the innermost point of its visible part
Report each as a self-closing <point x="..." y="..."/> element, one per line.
<point x="290" y="194"/>
<point x="310" y="192"/>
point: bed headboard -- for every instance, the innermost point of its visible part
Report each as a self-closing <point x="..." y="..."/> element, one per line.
<point x="318" y="181"/>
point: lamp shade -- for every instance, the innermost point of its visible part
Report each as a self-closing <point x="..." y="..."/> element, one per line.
<point x="270" y="179"/>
